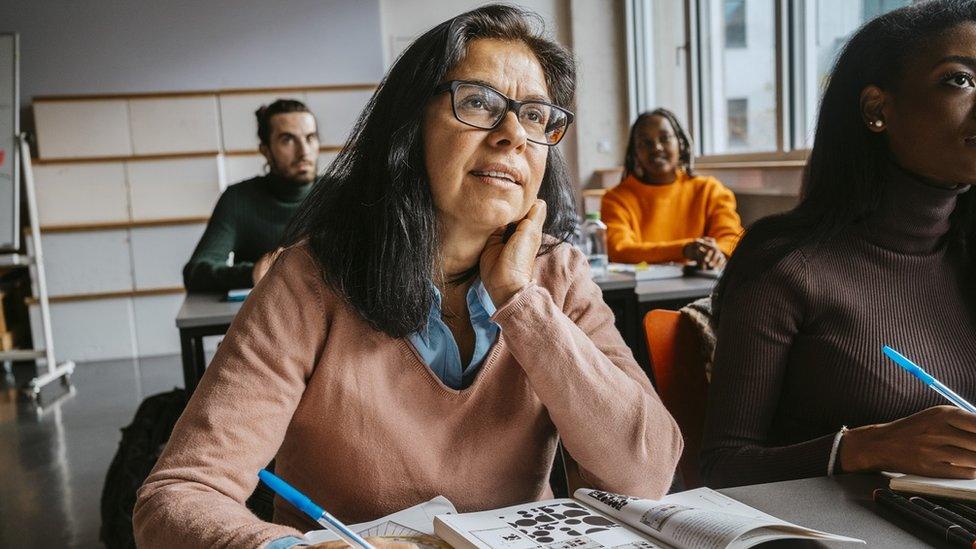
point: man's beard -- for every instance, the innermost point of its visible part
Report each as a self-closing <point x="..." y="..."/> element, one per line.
<point x="294" y="180"/>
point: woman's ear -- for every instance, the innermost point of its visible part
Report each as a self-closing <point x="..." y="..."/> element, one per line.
<point x="873" y="102"/>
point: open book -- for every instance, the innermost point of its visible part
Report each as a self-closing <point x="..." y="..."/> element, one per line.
<point x="700" y="518"/>
<point x="414" y="525"/>
<point x="942" y="487"/>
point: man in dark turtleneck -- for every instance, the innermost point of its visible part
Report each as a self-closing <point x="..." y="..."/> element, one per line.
<point x="251" y="216"/>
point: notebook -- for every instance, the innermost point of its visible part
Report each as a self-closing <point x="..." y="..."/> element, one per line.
<point x="414" y="525"/>
<point x="943" y="487"/>
<point x="652" y="271"/>
<point x="700" y="518"/>
<point x="237" y="295"/>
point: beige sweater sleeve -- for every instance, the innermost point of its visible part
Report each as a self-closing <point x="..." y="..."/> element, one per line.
<point x="237" y="418"/>
<point x="607" y="413"/>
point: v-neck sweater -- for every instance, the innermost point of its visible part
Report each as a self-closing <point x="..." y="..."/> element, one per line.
<point x="360" y="424"/>
<point x="799" y="348"/>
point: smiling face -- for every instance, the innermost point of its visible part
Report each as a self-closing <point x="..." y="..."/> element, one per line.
<point x="481" y="180"/>
<point x="656" y="150"/>
<point x="930" y="118"/>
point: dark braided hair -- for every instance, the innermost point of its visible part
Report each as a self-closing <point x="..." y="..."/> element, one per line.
<point x="686" y="158"/>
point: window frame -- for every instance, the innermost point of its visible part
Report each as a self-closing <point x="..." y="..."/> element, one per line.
<point x="790" y="43"/>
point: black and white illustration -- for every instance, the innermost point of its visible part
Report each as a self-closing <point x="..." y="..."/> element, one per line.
<point x="558" y="522"/>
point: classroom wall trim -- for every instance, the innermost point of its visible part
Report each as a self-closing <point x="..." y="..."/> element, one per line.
<point x="119" y="219"/>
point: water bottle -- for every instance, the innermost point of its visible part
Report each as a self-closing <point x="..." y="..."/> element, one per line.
<point x="595" y="243"/>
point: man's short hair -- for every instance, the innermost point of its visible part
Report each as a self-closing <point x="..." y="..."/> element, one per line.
<point x="266" y="112"/>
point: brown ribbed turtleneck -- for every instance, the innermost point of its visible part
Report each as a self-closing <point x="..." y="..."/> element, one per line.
<point x="799" y="348"/>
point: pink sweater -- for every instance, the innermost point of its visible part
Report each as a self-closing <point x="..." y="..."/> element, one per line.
<point x="360" y="424"/>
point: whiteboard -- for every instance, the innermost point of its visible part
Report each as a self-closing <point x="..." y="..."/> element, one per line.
<point x="9" y="155"/>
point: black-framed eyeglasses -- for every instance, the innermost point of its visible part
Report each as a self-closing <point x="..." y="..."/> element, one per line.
<point x="484" y="107"/>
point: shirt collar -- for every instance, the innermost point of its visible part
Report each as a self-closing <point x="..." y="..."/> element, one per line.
<point x="480" y="306"/>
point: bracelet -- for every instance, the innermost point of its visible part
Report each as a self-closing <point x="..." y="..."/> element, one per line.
<point x="833" y="450"/>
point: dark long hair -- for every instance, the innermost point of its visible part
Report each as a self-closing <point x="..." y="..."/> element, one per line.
<point x="370" y="220"/>
<point x="686" y="156"/>
<point x="844" y="176"/>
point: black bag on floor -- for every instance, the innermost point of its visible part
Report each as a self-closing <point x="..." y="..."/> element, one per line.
<point x="142" y="443"/>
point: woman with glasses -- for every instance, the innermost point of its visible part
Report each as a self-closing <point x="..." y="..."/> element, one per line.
<point x="427" y="331"/>
<point x="880" y="251"/>
<point x="662" y="211"/>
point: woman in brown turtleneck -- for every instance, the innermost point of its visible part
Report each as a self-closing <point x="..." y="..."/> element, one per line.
<point x="880" y="251"/>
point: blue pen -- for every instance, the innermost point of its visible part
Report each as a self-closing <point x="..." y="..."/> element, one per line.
<point x="307" y="506"/>
<point x="925" y="378"/>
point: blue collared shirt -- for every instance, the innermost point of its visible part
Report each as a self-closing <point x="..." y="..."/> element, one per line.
<point x="435" y="343"/>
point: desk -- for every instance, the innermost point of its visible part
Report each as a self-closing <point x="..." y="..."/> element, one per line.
<point x="658" y="294"/>
<point x="839" y="505"/>
<point x="202" y="314"/>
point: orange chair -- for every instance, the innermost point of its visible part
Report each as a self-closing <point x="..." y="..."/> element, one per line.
<point x="679" y="376"/>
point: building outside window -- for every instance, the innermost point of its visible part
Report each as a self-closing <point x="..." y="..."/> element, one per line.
<point x="735" y="73"/>
<point x="738" y="122"/>
<point x="735" y="23"/>
<point x="756" y="68"/>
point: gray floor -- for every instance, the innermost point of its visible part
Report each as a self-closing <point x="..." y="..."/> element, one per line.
<point x="53" y="463"/>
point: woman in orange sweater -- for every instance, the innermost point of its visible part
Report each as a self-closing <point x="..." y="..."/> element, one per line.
<point x="661" y="211"/>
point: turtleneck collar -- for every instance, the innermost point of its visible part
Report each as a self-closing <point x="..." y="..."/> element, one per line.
<point x="912" y="215"/>
<point x="284" y="190"/>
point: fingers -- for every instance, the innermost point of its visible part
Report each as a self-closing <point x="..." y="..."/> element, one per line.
<point x="383" y="543"/>
<point x="706" y="253"/>
<point x="960" y="419"/>
<point x="946" y="470"/>
<point x="528" y="233"/>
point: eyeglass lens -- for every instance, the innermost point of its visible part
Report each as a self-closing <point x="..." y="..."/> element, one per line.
<point x="483" y="108"/>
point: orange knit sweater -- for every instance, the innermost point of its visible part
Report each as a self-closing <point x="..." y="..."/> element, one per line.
<point x="653" y="223"/>
<point x="359" y="423"/>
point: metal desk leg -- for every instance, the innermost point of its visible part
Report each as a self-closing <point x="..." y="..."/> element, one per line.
<point x="189" y="369"/>
<point x="199" y="360"/>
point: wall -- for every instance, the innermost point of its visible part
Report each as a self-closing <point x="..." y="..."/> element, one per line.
<point x="121" y="47"/>
<point x="402" y="21"/>
<point x="599" y="41"/>
<point x="124" y="46"/>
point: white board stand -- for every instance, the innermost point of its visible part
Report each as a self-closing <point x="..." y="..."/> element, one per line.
<point x="43" y="357"/>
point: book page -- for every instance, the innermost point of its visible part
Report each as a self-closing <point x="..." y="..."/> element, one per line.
<point x="553" y="524"/>
<point x="411" y="522"/>
<point x="698" y="519"/>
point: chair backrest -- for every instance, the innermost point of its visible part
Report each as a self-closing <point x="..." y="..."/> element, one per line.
<point x="679" y="376"/>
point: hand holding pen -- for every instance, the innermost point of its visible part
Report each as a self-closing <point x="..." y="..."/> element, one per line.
<point x="936" y="442"/>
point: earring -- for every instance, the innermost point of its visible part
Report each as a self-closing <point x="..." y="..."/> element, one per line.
<point x="878" y="123"/>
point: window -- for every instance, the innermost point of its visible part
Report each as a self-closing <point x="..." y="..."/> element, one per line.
<point x="735" y="23"/>
<point x="733" y="77"/>
<point x="755" y="69"/>
<point x="822" y="27"/>
<point x="737" y="113"/>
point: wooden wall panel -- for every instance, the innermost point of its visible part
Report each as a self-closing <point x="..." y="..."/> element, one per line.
<point x="79" y="129"/>
<point x="174" y="125"/>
